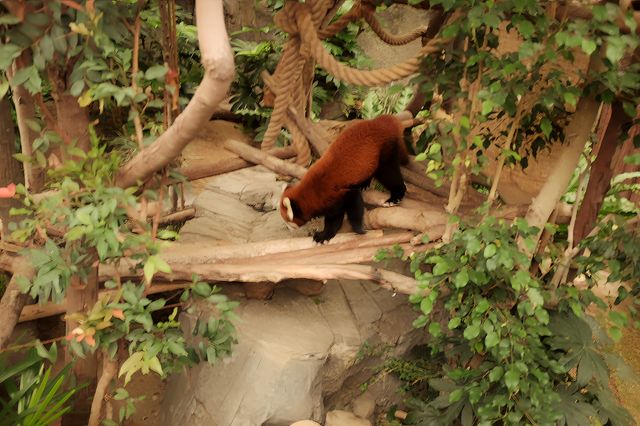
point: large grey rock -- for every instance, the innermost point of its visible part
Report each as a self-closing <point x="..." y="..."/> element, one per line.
<point x="293" y="353"/>
<point x="239" y="207"/>
<point x="296" y="353"/>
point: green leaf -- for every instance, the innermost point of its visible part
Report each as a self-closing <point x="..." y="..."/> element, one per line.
<point x="496" y="373"/>
<point x="570" y="98"/>
<point x="491" y="340"/>
<point x="202" y="289"/>
<point x="434" y="329"/>
<point x="154" y="365"/>
<point x="618" y="318"/>
<point x="520" y="280"/>
<point x="535" y="297"/>
<point x="420" y="322"/>
<point x="462" y="278"/>
<point x="615" y="50"/>
<point x="442" y="267"/>
<point x="546" y="126"/>
<point x="472" y="331"/>
<point x="8" y="52"/>
<point x="615" y="333"/>
<point x="130" y="366"/>
<point x="155" y="305"/>
<point x="76" y="233"/>
<point x="46" y="45"/>
<point x="512" y="379"/>
<point x="456" y="395"/>
<point x="525" y="28"/>
<point x="454" y="323"/>
<point x="149" y="270"/>
<point x="9" y="20"/>
<point x="473" y="246"/>
<point x="482" y="306"/>
<point x="487" y="107"/>
<point x="490" y="250"/>
<point x="162" y="266"/>
<point x="156" y="72"/>
<point x="426" y="306"/>
<point x="589" y="46"/>
<point x="76" y="88"/>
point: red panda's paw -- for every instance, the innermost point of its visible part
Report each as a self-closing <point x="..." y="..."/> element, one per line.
<point x="320" y="237"/>
<point x="359" y="230"/>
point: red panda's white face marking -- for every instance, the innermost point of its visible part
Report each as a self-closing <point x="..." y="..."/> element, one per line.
<point x="286" y="202"/>
<point x="287" y="211"/>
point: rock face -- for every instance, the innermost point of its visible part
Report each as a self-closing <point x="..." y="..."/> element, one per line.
<point x="296" y="352"/>
<point x="293" y="353"/>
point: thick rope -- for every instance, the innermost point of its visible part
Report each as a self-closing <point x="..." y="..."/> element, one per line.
<point x="302" y="21"/>
<point x="287" y="72"/>
<point x="368" y="12"/>
<point x="342" y="22"/>
<point x="354" y="76"/>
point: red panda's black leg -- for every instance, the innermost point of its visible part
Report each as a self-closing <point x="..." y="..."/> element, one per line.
<point x="354" y="205"/>
<point x="389" y="175"/>
<point x="332" y="224"/>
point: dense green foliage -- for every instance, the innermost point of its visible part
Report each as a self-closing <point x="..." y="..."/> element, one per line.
<point x="87" y="218"/>
<point x="512" y="343"/>
<point x="94" y="211"/>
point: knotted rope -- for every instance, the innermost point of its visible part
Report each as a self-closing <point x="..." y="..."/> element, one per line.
<point x="301" y="21"/>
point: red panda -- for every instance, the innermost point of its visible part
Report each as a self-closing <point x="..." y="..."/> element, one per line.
<point x="332" y="187"/>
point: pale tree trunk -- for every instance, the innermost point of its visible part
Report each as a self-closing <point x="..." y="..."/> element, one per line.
<point x="25" y="112"/>
<point x="577" y="133"/>
<point x="10" y="168"/>
<point x="71" y="122"/>
<point x="217" y="58"/>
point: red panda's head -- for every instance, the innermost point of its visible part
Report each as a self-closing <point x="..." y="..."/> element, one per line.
<point x="290" y="209"/>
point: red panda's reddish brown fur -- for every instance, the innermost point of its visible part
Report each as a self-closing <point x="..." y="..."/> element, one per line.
<point x="362" y="151"/>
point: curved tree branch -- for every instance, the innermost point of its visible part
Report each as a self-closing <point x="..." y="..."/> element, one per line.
<point x="217" y="58"/>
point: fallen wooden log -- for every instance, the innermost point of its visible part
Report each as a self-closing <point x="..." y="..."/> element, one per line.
<point x="256" y="156"/>
<point x="44" y="310"/>
<point x="13" y="300"/>
<point x="202" y="169"/>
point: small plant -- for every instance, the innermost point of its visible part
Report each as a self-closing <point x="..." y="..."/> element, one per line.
<point x="513" y="349"/>
<point x="30" y="394"/>
<point x="95" y="213"/>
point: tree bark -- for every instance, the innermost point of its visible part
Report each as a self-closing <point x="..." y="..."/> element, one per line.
<point x="109" y="370"/>
<point x="217" y="58"/>
<point x="10" y="168"/>
<point x="72" y="120"/>
<point x="602" y="171"/>
<point x="577" y="133"/>
<point x="201" y="169"/>
<point x="257" y="156"/>
<point x="25" y="112"/>
<point x="13" y="300"/>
